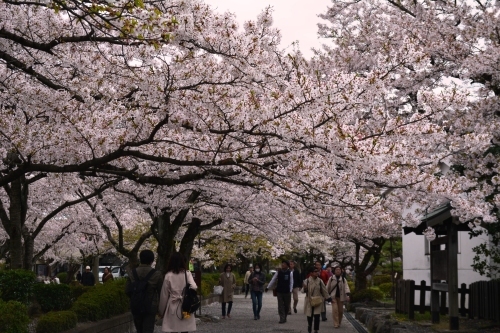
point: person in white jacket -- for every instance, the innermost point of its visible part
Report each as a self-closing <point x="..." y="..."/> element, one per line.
<point x="170" y="308"/>
<point x="338" y="289"/>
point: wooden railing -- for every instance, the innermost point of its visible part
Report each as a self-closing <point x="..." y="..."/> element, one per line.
<point x="483" y="302"/>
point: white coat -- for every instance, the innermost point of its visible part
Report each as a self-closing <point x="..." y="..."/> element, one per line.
<point x="171" y="303"/>
<point x="315" y="287"/>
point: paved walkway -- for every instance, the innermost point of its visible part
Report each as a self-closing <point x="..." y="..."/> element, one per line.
<point x="242" y="318"/>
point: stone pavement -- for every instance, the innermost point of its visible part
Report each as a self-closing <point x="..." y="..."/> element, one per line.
<point x="242" y="320"/>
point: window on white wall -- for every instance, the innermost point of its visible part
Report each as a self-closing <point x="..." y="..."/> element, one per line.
<point x="427" y="246"/>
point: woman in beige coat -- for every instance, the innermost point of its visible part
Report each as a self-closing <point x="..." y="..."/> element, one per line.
<point x="314" y="286"/>
<point x="228" y="282"/>
<point x="171" y="297"/>
<point x="339" y="291"/>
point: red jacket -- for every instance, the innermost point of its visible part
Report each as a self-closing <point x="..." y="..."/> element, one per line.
<point x="323" y="275"/>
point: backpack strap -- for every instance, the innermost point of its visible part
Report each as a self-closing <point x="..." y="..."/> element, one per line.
<point x="146" y="278"/>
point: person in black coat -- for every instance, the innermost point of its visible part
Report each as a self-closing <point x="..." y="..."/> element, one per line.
<point x="87" y="277"/>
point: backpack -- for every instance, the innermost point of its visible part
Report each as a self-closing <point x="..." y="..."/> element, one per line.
<point x="190" y="300"/>
<point x="140" y="301"/>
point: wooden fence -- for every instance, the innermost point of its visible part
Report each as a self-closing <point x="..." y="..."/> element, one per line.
<point x="483" y="302"/>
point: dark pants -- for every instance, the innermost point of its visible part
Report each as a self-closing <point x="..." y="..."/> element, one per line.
<point x="256" y="302"/>
<point x="310" y="320"/>
<point x="284" y="300"/>
<point x="228" y="308"/>
<point x="323" y="314"/>
<point x="247" y="288"/>
<point x="145" y="323"/>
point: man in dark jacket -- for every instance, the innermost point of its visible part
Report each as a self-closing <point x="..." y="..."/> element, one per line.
<point x="145" y="323"/>
<point x="88" y="278"/>
<point x="282" y="281"/>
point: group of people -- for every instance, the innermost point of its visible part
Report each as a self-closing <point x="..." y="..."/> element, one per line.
<point x="320" y="286"/>
<point x="165" y="294"/>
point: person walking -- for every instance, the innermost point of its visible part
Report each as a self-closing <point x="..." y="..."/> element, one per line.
<point x="170" y="307"/>
<point x="228" y="281"/>
<point x="107" y="276"/>
<point x="88" y="278"/>
<point x="338" y="289"/>
<point x="256" y="281"/>
<point x="297" y="284"/>
<point x="145" y="321"/>
<point x="245" y="280"/>
<point x="315" y="288"/>
<point x="323" y="275"/>
<point x="282" y="281"/>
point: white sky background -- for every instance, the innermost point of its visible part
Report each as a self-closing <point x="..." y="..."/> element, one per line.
<point x="296" y="19"/>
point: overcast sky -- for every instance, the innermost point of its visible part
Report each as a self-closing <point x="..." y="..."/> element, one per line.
<point x="297" y="19"/>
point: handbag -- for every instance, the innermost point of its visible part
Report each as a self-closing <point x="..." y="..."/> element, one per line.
<point x="190" y="300"/>
<point x="314" y="300"/>
<point x="218" y="290"/>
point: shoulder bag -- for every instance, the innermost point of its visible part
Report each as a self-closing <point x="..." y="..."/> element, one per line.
<point x="314" y="300"/>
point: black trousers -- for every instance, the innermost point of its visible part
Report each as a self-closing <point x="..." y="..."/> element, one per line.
<point x="316" y="320"/>
<point x="145" y="323"/>
<point x="230" y="305"/>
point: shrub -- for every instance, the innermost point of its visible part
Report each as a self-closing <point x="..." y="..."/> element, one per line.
<point x="57" y="321"/>
<point x="102" y="301"/>
<point x="14" y="317"/>
<point x="351" y="286"/>
<point x="379" y="279"/>
<point x="385" y="288"/>
<point x="63" y="277"/>
<point x="367" y="295"/>
<point x="77" y="290"/>
<point x="208" y="281"/>
<point x="53" y="297"/>
<point x="17" y="285"/>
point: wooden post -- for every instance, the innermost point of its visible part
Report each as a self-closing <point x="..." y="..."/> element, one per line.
<point x="411" y="300"/>
<point x="422" y="296"/>
<point x="463" y="292"/>
<point x="452" y="247"/>
<point x="434" y="293"/>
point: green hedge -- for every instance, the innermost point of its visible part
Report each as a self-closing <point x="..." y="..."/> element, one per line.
<point x="351" y="286"/>
<point x="53" y="297"/>
<point x="63" y="277"/>
<point x="379" y="279"/>
<point x="77" y="290"/>
<point x="13" y="317"/>
<point x="367" y="295"/>
<point x="102" y="301"/>
<point x="57" y="321"/>
<point x="17" y="285"/>
<point x="209" y="280"/>
<point x="385" y="288"/>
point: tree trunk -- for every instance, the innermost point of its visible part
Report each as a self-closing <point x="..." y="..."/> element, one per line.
<point x="165" y="235"/>
<point x="29" y="249"/>
<point x="369" y="263"/>
<point x="189" y="237"/>
<point x="15" y="224"/>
